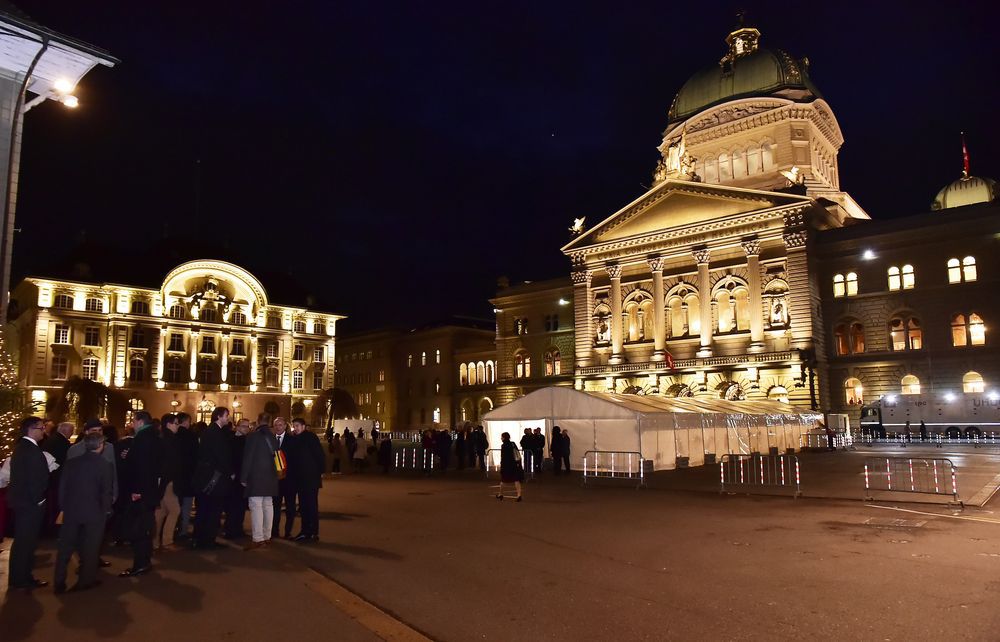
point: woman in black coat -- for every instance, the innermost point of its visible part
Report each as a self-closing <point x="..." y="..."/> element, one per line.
<point x="511" y="471"/>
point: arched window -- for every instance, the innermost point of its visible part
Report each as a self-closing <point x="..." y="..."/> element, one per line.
<point x="753" y="160"/>
<point x="677" y="318"/>
<point x="463" y="375"/>
<point x="725" y="169"/>
<point x="857" y="338"/>
<point x="319" y="327"/>
<point x="63" y="302"/>
<point x="648" y="320"/>
<point x="136" y="369"/>
<point x="423" y="358"/>
<point x="905" y="333"/>
<point x="711" y="171"/>
<point x="298" y="326"/>
<point x="481" y="372"/>
<point x="767" y="156"/>
<point x="840" y="340"/>
<point x="731" y="391"/>
<point x="852" y="283"/>
<point x="954" y="271"/>
<point x="693" y="315"/>
<point x="271" y="377"/>
<point x="680" y="390"/>
<point x="853" y="392"/>
<point x="908" y="278"/>
<point x="140" y="307"/>
<point x="177" y="312"/>
<point x="94" y="305"/>
<point x="969" y="268"/>
<point x="473" y="380"/>
<point x="973" y="382"/>
<point x="894" y="282"/>
<point x="490" y="372"/>
<point x="742" y="309"/>
<point x="910" y="385"/>
<point x="175" y="371"/>
<point x="522" y="365"/>
<point x="725" y="310"/>
<point x="298" y="379"/>
<point x="238" y="318"/>
<point x="553" y="362"/>
<point x="739" y="164"/>
<point x="90" y="368"/>
<point x="778" y="393"/>
<point x="437" y="386"/>
<point x="839" y="288"/>
<point x="968" y="330"/>
<point x="633" y="326"/>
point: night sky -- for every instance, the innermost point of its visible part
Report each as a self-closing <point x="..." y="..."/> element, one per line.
<point x="389" y="161"/>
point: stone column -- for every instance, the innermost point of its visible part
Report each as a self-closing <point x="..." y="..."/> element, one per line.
<point x="224" y="371"/>
<point x="254" y="380"/>
<point x="702" y="256"/>
<point x="194" y="356"/>
<point x="800" y="298"/>
<point x="583" y="311"/>
<point x="659" y="324"/>
<point x="615" y="272"/>
<point x="161" y="357"/>
<point x="752" y="249"/>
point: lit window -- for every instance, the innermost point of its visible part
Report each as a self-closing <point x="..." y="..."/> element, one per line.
<point x="969" y="268"/>
<point x="299" y="326"/>
<point x="381" y="375"/>
<point x="973" y="382"/>
<point x="894" y="282"/>
<point x="977" y="330"/>
<point x="92" y="337"/>
<point x="60" y="367"/>
<point x="298" y="353"/>
<point x="838" y="285"/>
<point x="61" y="334"/>
<point x="553" y="363"/>
<point x="968" y="330"/>
<point x="318" y="379"/>
<point x="472" y="374"/>
<point x="208" y="345"/>
<point x="954" y="271"/>
<point x="177" y="312"/>
<point x="522" y="365"/>
<point x="905" y="333"/>
<point x="853" y="392"/>
<point x="437" y="356"/>
<point x="94" y="305"/>
<point x="437" y="386"/>
<point x="423" y="358"/>
<point x="298" y="379"/>
<point x="852" y="283"/>
<point x="136" y="369"/>
<point x="140" y="307"/>
<point x="463" y="375"/>
<point x="63" y="301"/>
<point x="238" y="318"/>
<point x="409" y="361"/>
<point x="910" y="385"/>
<point x="908" y="277"/>
<point x="90" y="368"/>
<point x="437" y="415"/>
<point x="490" y="372"/>
<point x="319" y="328"/>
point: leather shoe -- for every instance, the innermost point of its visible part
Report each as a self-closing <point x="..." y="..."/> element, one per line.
<point x="135" y="572"/>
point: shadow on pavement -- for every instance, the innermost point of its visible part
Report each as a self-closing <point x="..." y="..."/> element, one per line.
<point x="19" y="614"/>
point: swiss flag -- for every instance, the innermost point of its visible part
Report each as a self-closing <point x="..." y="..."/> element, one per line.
<point x="670" y="360"/>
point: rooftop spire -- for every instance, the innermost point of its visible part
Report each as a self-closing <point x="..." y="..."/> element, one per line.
<point x="742" y="40"/>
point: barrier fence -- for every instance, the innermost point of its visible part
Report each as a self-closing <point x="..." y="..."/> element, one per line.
<point x="415" y="458"/>
<point x="493" y="462"/>
<point x="911" y="475"/>
<point x="841" y="441"/>
<point x="614" y="464"/>
<point x="976" y="440"/>
<point x="747" y="472"/>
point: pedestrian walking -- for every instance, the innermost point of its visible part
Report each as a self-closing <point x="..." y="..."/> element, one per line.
<point x="511" y="469"/>
<point x="29" y="478"/>
<point x="86" y="493"/>
<point x="259" y="480"/>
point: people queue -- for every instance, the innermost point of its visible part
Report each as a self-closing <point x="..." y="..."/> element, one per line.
<point x="141" y="489"/>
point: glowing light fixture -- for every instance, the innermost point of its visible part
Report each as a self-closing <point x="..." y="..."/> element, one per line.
<point x="994" y="395"/>
<point x="563" y="302"/>
<point x="868" y="255"/>
<point x="890" y="398"/>
<point x="949" y="397"/>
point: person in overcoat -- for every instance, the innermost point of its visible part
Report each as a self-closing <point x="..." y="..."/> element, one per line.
<point x="259" y="479"/>
<point x="307" y="465"/>
<point x="511" y="469"/>
<point x="143" y="468"/>
<point x="29" y="479"/>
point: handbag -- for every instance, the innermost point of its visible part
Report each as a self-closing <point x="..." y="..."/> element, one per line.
<point x="280" y="463"/>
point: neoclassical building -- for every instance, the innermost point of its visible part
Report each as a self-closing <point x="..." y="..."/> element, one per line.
<point x="706" y="284"/>
<point x="207" y="336"/>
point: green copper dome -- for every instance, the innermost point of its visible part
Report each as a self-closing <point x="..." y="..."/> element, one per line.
<point x="747" y="71"/>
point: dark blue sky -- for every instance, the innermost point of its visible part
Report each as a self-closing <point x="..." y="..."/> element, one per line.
<point x="391" y="160"/>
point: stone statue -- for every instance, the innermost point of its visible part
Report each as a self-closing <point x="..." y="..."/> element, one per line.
<point x="660" y="173"/>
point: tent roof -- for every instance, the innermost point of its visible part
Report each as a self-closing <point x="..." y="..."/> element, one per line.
<point x="564" y="402"/>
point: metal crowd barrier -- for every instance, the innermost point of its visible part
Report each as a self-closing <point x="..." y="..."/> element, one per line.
<point x="414" y="458"/>
<point x="937" y="439"/>
<point x="911" y="475"/>
<point x="614" y="464"/>
<point x="840" y="441"/>
<point x="493" y="462"/>
<point x="747" y="472"/>
<point x="405" y="436"/>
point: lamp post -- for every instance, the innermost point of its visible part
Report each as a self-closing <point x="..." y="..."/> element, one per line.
<point x="36" y="64"/>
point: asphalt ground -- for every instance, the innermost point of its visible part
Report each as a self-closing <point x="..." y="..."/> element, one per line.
<point x="441" y="557"/>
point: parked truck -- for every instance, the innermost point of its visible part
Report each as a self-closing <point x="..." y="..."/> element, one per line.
<point x="949" y="414"/>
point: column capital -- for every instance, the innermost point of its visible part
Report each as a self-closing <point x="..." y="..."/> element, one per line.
<point x="582" y="277"/>
<point x="795" y="239"/>
<point x="751" y="247"/>
<point x="614" y="270"/>
<point x="702" y="255"/>
<point x="656" y="263"/>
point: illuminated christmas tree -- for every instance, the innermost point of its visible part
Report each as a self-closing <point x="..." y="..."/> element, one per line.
<point x="12" y="403"/>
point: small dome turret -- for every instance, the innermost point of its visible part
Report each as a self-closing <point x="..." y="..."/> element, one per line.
<point x="967" y="190"/>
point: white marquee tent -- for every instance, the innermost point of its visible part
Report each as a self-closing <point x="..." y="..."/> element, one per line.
<point x="660" y="428"/>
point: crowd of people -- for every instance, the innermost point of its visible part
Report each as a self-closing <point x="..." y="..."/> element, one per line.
<point x="141" y="489"/>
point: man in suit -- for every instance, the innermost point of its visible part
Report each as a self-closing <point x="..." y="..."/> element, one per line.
<point x="142" y="485"/>
<point x="213" y="479"/>
<point x="169" y="509"/>
<point x="95" y="427"/>
<point x="187" y="453"/>
<point x="57" y="445"/>
<point x="85" y="490"/>
<point x="236" y="503"/>
<point x="29" y="479"/>
<point x="308" y="462"/>
<point x="286" y="486"/>
<point x="259" y="481"/>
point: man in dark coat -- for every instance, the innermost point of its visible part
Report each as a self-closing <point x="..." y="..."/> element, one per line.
<point x="187" y="458"/>
<point x="538" y="450"/>
<point x="479" y="445"/>
<point x="236" y="502"/>
<point x="308" y="462"/>
<point x="85" y="489"/>
<point x="57" y="445"/>
<point x="259" y="480"/>
<point x="460" y="448"/>
<point x="29" y="479"/>
<point x="212" y="479"/>
<point x="143" y="467"/>
<point x="286" y="486"/>
<point x="169" y="510"/>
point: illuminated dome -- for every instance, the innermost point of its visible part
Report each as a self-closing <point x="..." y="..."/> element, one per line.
<point x="967" y="190"/>
<point x="747" y="71"/>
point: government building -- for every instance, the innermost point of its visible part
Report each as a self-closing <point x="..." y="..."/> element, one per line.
<point x="207" y="336"/>
<point x="746" y="272"/>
